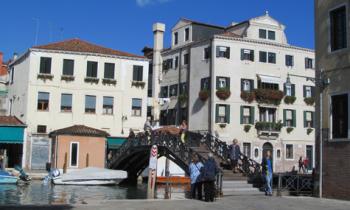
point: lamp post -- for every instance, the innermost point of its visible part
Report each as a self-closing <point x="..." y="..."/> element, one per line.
<point x="124" y="118"/>
<point x="322" y="82"/>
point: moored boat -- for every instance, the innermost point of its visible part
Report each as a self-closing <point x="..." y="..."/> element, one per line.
<point x="7" y="178"/>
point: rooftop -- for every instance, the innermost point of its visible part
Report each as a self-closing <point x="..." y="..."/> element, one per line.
<point x="79" y="130"/>
<point x="10" y="121"/>
<point x="78" y="45"/>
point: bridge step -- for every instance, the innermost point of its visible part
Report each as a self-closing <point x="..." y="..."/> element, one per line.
<point x="235" y="188"/>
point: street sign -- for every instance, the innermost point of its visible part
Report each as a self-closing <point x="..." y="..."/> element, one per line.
<point x="152" y="172"/>
<point x="153" y="157"/>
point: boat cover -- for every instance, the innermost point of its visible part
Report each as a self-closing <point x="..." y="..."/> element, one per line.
<point x="92" y="173"/>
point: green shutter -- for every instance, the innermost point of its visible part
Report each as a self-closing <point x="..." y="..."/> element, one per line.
<point x="217" y="82"/>
<point x="293" y="89"/>
<point x="252" y="115"/>
<point x="305" y="123"/>
<point x="284" y="117"/>
<point x="228" y="82"/>
<point x="242" y="110"/>
<point x="284" y="89"/>
<point x="227" y="114"/>
<point x="217" y="113"/>
<point x="313" y="119"/>
<point x="228" y="52"/>
<point x="294" y="118"/>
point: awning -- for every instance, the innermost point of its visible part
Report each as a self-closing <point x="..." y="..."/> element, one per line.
<point x="169" y="105"/>
<point x="115" y="142"/>
<point x="269" y="79"/>
<point x="11" y="134"/>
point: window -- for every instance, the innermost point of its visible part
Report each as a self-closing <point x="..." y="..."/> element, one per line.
<point x="183" y="88"/>
<point x="222" y="82"/>
<point x="308" y="119"/>
<point x="68" y="67"/>
<point x="136" y="107"/>
<point x="289" y="60"/>
<point x="256" y="152"/>
<point x="43" y="101"/>
<point x="205" y="83"/>
<point x="289" y="90"/>
<point x="164" y="92"/>
<point x="176" y="38"/>
<point x="91" y="69"/>
<point x="289" y="151"/>
<point x="247" y="84"/>
<point x="222" y="52"/>
<point x="207" y="53"/>
<point x="66" y="102"/>
<point x="267" y="114"/>
<point x="187" y="34"/>
<point x="269" y="86"/>
<point x="272" y="35"/>
<point x="137" y="73"/>
<point x="338" y="28"/>
<point x="246" y="149"/>
<point x="12" y="72"/>
<point x="176" y="62"/>
<point x="339" y="113"/>
<point x="41" y="129"/>
<point x="168" y="64"/>
<point x="74" y="154"/>
<point x="263" y="56"/>
<point x="109" y="71"/>
<point x="186" y="58"/>
<point x="247" y="54"/>
<point x="247" y="115"/>
<point x="107" y="105"/>
<point x="222" y="113"/>
<point x="90" y="104"/>
<point x="308" y="91"/>
<point x="289" y="118"/>
<point x="45" y="65"/>
<point x="173" y="90"/>
<point x="262" y="34"/>
<point x="309" y="63"/>
<point x="272" y="57"/>
<point x="278" y="153"/>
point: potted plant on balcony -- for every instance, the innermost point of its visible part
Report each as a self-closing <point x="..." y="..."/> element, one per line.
<point x="45" y="76"/>
<point x="309" y="130"/>
<point x="289" y="129"/>
<point x="247" y="128"/>
<point x="248" y="96"/>
<point x="203" y="94"/>
<point x="67" y="78"/>
<point x="138" y="83"/>
<point x="309" y="101"/>
<point x="223" y="93"/>
<point x="269" y="126"/>
<point x="289" y="99"/>
<point x="268" y="96"/>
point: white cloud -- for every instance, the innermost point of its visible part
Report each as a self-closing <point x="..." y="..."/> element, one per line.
<point x="142" y="3"/>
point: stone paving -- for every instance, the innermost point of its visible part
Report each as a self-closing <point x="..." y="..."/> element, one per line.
<point x="228" y="202"/>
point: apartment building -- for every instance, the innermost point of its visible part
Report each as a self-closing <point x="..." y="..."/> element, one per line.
<point x="3" y="86"/>
<point x="75" y="82"/>
<point x="242" y="81"/>
<point x="333" y="71"/>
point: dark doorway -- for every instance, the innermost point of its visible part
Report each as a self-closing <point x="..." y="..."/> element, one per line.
<point x="310" y="156"/>
<point x="13" y="154"/>
<point x="267" y="147"/>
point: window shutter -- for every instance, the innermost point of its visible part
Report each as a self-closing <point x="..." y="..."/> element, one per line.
<point x="284" y="117"/>
<point x="134" y="75"/>
<point x="306" y="65"/>
<point x="217" y="82"/>
<point x="305" y="123"/>
<point x="228" y="82"/>
<point x="242" y="54"/>
<point x="141" y="73"/>
<point x="286" y="60"/>
<point x="228" y="52"/>
<point x="242" y="110"/>
<point x="304" y="91"/>
<point x="284" y="89"/>
<point x="293" y="89"/>
<point x="252" y="115"/>
<point x="242" y="85"/>
<point x="294" y="118"/>
<point x="227" y="114"/>
<point x="217" y="51"/>
<point x="216" y="113"/>
<point x="313" y="120"/>
<point x="42" y="65"/>
<point x="292" y="60"/>
<point x="251" y="84"/>
<point x="48" y="67"/>
<point x="252" y="55"/>
<point x="313" y="91"/>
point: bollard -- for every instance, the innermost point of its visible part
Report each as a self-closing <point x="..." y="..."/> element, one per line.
<point x="65" y="163"/>
<point x="87" y="160"/>
<point x="279" y="187"/>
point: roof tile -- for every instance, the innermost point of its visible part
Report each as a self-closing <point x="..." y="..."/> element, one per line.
<point x="10" y="121"/>
<point x="79" y="130"/>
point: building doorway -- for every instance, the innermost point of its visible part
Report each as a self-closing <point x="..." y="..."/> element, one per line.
<point x="310" y="157"/>
<point x="267" y="147"/>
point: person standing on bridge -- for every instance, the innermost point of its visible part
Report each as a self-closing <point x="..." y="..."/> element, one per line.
<point x="195" y="176"/>
<point x="267" y="172"/>
<point x="235" y="153"/>
<point x="209" y="175"/>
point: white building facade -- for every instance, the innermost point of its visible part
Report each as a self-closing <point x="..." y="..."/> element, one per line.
<point x="243" y="81"/>
<point x="76" y="83"/>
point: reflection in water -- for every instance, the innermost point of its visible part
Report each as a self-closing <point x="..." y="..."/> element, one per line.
<point x="38" y="193"/>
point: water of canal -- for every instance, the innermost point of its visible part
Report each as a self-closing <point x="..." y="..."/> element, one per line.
<point x="38" y="193"/>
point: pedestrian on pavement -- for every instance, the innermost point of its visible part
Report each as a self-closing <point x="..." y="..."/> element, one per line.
<point x="131" y="134"/>
<point x="183" y="130"/>
<point x="235" y="153"/>
<point x="196" y="178"/>
<point x="267" y="172"/>
<point x="306" y="165"/>
<point x="147" y="127"/>
<point x="301" y="165"/>
<point x="210" y="170"/>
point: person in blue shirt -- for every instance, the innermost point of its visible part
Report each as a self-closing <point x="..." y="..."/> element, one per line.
<point x="267" y="172"/>
<point x="195" y="176"/>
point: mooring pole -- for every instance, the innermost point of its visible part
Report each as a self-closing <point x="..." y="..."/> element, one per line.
<point x="152" y="172"/>
<point x="167" y="175"/>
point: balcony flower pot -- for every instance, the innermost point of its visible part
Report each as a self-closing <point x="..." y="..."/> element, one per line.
<point x="289" y="99"/>
<point x="268" y="96"/>
<point x="289" y="129"/>
<point x="309" y="101"/>
<point x="309" y="130"/>
<point x="248" y="96"/>
<point x="138" y="83"/>
<point x="92" y="79"/>
<point x="107" y="81"/>
<point x="268" y="126"/>
<point x="223" y="93"/>
<point x="222" y="125"/>
<point x="203" y="95"/>
<point x="45" y="76"/>
<point x="247" y="128"/>
<point x="67" y="78"/>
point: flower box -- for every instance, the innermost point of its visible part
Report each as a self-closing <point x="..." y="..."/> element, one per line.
<point x="310" y="101"/>
<point x="67" y="77"/>
<point x="223" y="93"/>
<point x="45" y="76"/>
<point x="138" y="83"/>
<point x="248" y="96"/>
<point x="309" y="130"/>
<point x="107" y="81"/>
<point x="247" y="128"/>
<point x="203" y="95"/>
<point x="289" y="129"/>
<point x="269" y="126"/>
<point x="92" y="79"/>
<point x="268" y="96"/>
<point x="289" y="99"/>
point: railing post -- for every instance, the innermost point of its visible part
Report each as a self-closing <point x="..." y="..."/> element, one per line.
<point x="279" y="186"/>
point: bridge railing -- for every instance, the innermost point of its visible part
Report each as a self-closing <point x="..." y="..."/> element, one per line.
<point x="295" y="184"/>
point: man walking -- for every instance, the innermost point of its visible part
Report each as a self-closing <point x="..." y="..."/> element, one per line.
<point x="195" y="176"/>
<point x="209" y="175"/>
<point x="235" y="152"/>
<point x="267" y="172"/>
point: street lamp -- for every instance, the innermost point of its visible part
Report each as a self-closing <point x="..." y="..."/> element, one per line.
<point x="124" y="118"/>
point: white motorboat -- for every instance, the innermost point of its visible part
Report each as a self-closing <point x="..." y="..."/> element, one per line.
<point x="89" y="176"/>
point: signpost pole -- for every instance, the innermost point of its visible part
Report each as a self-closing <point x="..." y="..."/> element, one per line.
<point x="152" y="172"/>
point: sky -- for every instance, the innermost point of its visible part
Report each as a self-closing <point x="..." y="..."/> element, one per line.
<point x="126" y="25"/>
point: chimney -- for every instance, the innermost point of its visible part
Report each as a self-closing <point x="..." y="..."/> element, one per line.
<point x="158" y="35"/>
<point x="15" y="55"/>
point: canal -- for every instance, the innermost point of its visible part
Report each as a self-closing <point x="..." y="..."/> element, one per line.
<point x="38" y="193"/>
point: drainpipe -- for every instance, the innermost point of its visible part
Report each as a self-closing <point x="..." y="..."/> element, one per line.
<point x="211" y="105"/>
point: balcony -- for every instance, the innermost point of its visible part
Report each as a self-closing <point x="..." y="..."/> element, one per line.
<point x="270" y="130"/>
<point x="268" y="96"/>
<point x="92" y="80"/>
<point x="45" y="76"/>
